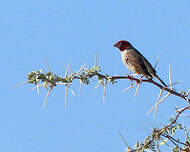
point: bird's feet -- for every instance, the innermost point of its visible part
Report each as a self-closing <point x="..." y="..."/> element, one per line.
<point x="133" y="75"/>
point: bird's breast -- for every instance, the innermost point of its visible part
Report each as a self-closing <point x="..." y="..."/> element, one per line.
<point x="126" y="60"/>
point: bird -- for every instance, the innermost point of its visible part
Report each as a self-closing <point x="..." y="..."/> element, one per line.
<point x="135" y="61"/>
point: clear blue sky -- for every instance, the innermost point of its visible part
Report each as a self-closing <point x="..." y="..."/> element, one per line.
<point x="77" y="30"/>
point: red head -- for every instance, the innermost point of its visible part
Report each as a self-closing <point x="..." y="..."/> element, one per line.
<point x="123" y="45"/>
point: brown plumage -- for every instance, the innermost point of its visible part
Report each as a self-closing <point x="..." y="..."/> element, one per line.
<point x="135" y="61"/>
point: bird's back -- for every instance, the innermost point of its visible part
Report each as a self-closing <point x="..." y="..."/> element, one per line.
<point x="136" y="62"/>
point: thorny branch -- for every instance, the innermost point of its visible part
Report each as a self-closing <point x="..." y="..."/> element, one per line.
<point x="49" y="80"/>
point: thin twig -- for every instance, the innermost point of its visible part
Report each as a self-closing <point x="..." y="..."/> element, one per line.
<point x="177" y="116"/>
<point x="173" y="140"/>
<point x="166" y="144"/>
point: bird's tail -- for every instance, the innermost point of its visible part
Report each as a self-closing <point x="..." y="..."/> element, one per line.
<point x="160" y="80"/>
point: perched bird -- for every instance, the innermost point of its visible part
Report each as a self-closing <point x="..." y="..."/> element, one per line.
<point x="135" y="61"/>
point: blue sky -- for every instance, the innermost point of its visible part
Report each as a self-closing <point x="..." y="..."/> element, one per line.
<point x="75" y="31"/>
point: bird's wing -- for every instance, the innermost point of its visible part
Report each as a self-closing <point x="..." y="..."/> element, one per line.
<point x="149" y="67"/>
<point x="137" y="60"/>
<point x="152" y="71"/>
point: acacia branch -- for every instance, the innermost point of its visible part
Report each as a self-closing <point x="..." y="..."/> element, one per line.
<point x="174" y="141"/>
<point x="49" y="80"/>
<point x="149" y="81"/>
<point x="177" y="116"/>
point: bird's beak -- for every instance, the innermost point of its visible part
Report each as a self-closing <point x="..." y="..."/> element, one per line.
<point x="115" y="45"/>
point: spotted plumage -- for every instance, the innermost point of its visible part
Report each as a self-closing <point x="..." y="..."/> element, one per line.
<point x="135" y="61"/>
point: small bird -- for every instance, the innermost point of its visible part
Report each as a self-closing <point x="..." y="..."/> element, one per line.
<point x="135" y="61"/>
